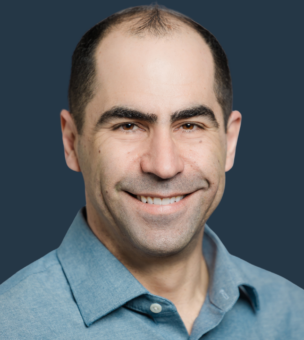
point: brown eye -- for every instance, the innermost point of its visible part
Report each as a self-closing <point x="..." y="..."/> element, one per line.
<point x="188" y="126"/>
<point x="128" y="126"/>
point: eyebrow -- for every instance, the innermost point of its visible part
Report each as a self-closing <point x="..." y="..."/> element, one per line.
<point x="119" y="112"/>
<point x="195" y="111"/>
<point x="125" y="112"/>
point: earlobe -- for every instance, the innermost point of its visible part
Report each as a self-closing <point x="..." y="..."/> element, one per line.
<point x="69" y="136"/>
<point x="233" y="129"/>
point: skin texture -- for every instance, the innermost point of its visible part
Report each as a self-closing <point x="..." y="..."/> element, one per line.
<point x="160" y="245"/>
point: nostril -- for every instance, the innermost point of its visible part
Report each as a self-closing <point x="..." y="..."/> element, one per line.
<point x="162" y="162"/>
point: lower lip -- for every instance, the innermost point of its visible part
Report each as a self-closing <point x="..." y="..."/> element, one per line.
<point x="156" y="209"/>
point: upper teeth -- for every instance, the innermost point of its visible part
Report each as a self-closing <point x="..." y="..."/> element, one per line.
<point x="160" y="201"/>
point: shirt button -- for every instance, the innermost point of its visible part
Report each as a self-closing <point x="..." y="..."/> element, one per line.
<point x="155" y="308"/>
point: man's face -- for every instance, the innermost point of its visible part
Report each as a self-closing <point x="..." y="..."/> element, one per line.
<point x="149" y="152"/>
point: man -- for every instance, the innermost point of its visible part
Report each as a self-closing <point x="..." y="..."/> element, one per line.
<point x="151" y="129"/>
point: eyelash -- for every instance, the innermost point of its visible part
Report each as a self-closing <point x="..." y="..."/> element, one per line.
<point x="124" y="124"/>
<point x="187" y="131"/>
<point x="191" y="130"/>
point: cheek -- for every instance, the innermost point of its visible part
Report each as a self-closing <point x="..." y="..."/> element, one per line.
<point x="210" y="159"/>
<point x="206" y="155"/>
<point x="114" y="160"/>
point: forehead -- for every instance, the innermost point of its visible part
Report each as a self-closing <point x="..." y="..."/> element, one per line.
<point x="154" y="74"/>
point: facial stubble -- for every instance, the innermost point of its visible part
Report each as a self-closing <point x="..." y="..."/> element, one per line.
<point x="161" y="235"/>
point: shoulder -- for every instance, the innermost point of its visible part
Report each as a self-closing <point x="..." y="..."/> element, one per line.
<point x="27" y="298"/>
<point x="30" y="273"/>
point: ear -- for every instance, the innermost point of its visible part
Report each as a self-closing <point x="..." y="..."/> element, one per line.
<point x="233" y="129"/>
<point x="69" y="135"/>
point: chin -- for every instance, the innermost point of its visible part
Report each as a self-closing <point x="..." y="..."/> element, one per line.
<point x="159" y="251"/>
<point x="160" y="235"/>
<point x="163" y="245"/>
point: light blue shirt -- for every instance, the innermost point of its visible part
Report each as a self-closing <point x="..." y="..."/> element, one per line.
<point x="81" y="291"/>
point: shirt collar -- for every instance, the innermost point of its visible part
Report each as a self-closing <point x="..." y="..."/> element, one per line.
<point x="100" y="283"/>
<point x="227" y="279"/>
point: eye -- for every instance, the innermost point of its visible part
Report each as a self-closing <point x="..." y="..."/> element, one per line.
<point x="188" y="126"/>
<point x="128" y="126"/>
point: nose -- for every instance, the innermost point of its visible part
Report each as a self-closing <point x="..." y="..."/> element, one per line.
<point x="162" y="157"/>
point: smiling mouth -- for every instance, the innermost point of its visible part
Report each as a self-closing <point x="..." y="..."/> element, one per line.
<point x="158" y="200"/>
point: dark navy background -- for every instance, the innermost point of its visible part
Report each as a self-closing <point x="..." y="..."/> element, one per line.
<point x="260" y="216"/>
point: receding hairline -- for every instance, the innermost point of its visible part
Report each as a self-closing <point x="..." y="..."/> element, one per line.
<point x="141" y="21"/>
<point x="128" y="28"/>
<point x="136" y="24"/>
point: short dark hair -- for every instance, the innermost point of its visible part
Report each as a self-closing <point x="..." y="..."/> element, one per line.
<point x="153" y="19"/>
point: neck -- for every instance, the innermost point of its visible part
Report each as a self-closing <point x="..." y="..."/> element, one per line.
<point x="183" y="282"/>
<point x="182" y="278"/>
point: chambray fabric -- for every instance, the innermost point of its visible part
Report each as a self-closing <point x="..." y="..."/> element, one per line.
<point x="81" y="291"/>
